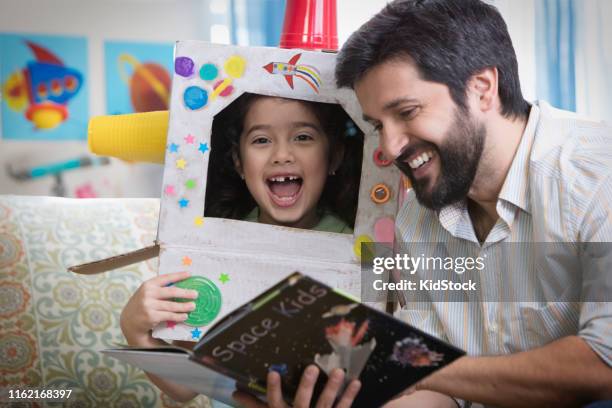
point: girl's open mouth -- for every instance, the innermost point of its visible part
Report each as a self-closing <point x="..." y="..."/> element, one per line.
<point x="285" y="189"/>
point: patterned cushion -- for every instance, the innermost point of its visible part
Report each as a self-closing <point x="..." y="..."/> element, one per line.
<point x="53" y="322"/>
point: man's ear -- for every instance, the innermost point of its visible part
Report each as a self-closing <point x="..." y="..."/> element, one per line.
<point x="336" y="157"/>
<point x="237" y="162"/>
<point x="483" y="87"/>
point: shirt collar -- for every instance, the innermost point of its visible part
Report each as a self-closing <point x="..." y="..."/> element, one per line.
<point x="515" y="189"/>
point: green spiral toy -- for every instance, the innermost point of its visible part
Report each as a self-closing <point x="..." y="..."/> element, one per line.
<point x="208" y="302"/>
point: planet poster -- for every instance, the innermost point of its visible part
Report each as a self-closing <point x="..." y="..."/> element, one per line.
<point x="43" y="80"/>
<point x="138" y="76"/>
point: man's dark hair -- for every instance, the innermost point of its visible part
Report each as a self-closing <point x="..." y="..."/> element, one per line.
<point x="448" y="41"/>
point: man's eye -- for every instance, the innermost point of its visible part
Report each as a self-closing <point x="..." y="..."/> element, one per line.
<point x="408" y="113"/>
<point x="303" y="137"/>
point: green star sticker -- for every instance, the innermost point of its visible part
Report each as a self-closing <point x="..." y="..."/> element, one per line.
<point x="190" y="183"/>
<point x="224" y="278"/>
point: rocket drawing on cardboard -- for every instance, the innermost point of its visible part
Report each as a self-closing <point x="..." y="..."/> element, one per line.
<point x="307" y="73"/>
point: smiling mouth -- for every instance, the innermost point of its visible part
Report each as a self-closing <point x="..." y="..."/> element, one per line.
<point x="284" y="190"/>
<point x="420" y="160"/>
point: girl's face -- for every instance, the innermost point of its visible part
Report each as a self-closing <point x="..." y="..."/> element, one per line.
<point x="284" y="157"/>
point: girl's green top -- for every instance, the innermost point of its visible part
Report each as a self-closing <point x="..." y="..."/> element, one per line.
<point x="328" y="222"/>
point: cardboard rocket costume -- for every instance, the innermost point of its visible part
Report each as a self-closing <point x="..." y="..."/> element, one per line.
<point x="236" y="260"/>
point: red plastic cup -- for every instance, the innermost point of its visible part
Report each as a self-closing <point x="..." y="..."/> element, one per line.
<point x="310" y="25"/>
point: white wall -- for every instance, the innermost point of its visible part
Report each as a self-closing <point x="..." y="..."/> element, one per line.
<point x="520" y="19"/>
<point x="352" y="14"/>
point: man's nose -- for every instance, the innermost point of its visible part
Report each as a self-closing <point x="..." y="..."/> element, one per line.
<point x="392" y="139"/>
<point x="283" y="153"/>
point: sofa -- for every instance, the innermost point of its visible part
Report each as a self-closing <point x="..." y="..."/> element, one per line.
<point x="53" y="322"/>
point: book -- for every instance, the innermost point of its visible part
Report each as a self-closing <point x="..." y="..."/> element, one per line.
<point x="300" y="321"/>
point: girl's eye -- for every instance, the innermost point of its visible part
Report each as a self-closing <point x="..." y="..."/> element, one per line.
<point x="260" y="140"/>
<point x="303" y="137"/>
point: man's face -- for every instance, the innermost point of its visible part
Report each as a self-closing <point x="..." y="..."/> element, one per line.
<point x="435" y="143"/>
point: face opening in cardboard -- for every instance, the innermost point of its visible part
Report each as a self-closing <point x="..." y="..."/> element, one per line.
<point x="286" y="162"/>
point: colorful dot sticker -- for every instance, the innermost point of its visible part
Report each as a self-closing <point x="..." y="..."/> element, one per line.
<point x="184" y="66"/>
<point x="173" y="147"/>
<point x="198" y="221"/>
<point x="380" y="193"/>
<point x="380" y="159"/>
<point x="208" y="302"/>
<point x="208" y="72"/>
<point x="189" y="139"/>
<point x="195" y="97"/>
<point x="190" y="184"/>
<point x="186" y="261"/>
<point x="358" y="248"/>
<point x="234" y="66"/>
<point x="384" y="230"/>
<point x="181" y="163"/>
<point x="224" y="278"/>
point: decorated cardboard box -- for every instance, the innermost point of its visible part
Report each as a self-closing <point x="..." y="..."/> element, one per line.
<point x="235" y="259"/>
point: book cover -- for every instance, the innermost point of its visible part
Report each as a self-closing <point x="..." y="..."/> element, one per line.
<point x="298" y="322"/>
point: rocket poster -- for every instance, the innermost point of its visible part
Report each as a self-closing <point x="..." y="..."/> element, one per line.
<point x="44" y="87"/>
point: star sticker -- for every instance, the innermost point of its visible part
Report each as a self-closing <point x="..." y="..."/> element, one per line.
<point x="189" y="139"/>
<point x="169" y="190"/>
<point x="190" y="183"/>
<point x="173" y="147"/>
<point x="224" y="278"/>
<point x="198" y="221"/>
<point x="183" y="202"/>
<point x="196" y="333"/>
<point x="187" y="261"/>
<point x="181" y="163"/>
<point x="170" y="324"/>
<point x="203" y="147"/>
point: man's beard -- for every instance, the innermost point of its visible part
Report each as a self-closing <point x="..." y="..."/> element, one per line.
<point x="459" y="158"/>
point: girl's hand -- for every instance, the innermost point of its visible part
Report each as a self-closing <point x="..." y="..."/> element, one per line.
<point x="304" y="392"/>
<point x="152" y="304"/>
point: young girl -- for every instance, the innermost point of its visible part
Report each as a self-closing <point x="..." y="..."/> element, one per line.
<point x="286" y="162"/>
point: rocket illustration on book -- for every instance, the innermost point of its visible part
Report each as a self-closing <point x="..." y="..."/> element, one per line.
<point x="347" y="353"/>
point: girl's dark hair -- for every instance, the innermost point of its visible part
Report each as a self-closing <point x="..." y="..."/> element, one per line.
<point x="227" y="195"/>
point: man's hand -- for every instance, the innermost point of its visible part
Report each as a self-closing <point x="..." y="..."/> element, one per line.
<point x="304" y="393"/>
